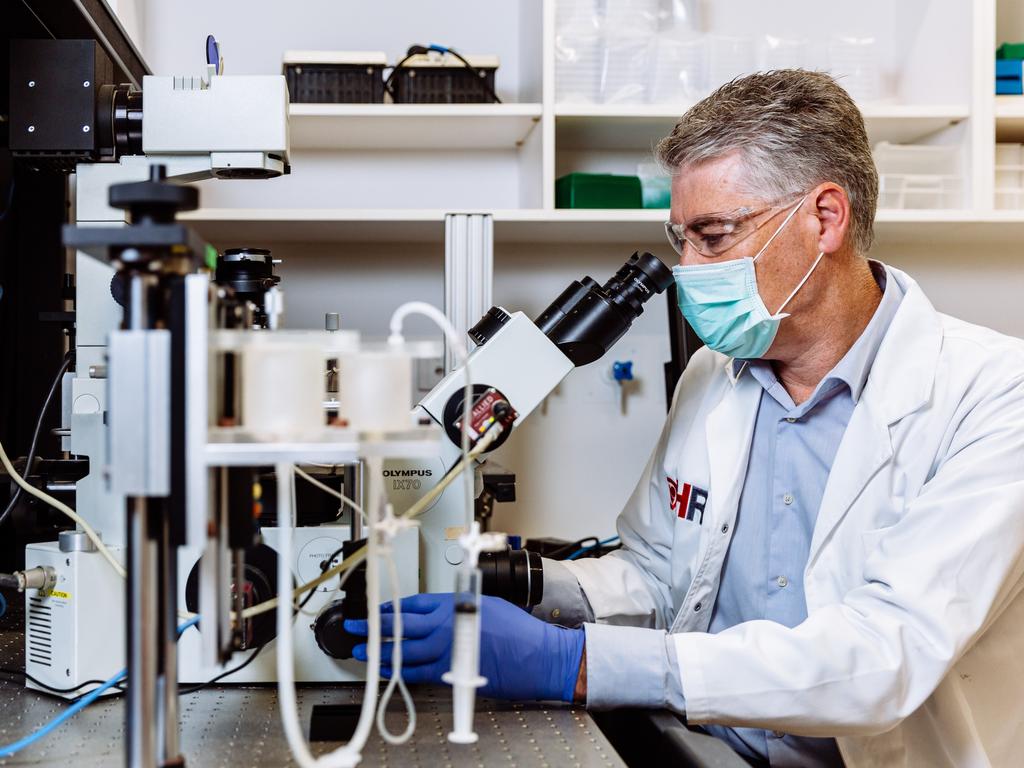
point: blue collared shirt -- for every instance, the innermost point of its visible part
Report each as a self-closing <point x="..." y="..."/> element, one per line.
<point x="791" y="453"/>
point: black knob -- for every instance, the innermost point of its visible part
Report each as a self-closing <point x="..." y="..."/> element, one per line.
<point x="330" y="634"/>
<point x="154" y="200"/>
<point x="489" y="325"/>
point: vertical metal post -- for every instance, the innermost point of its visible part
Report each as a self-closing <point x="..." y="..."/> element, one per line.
<point x="167" y="671"/>
<point x="352" y="477"/>
<point x="142" y="592"/>
<point x="468" y="271"/>
<point x="142" y="636"/>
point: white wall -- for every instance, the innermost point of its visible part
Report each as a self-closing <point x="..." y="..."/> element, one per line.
<point x="578" y="458"/>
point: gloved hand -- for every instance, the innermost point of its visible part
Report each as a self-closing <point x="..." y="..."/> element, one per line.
<point x="522" y="657"/>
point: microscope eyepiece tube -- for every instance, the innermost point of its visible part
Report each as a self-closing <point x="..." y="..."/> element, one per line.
<point x="587" y="319"/>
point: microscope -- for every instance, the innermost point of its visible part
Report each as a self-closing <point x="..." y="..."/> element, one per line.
<point x="188" y="396"/>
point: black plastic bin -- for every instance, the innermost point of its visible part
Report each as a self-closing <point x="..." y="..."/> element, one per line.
<point x="326" y="78"/>
<point x="427" y="80"/>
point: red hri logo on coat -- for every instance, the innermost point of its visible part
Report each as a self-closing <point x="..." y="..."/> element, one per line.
<point x="688" y="501"/>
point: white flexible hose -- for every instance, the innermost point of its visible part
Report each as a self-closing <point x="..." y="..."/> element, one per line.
<point x="396" y="668"/>
<point x="60" y="506"/>
<point x="349" y="755"/>
<point x="458" y="346"/>
<point x="285" y="664"/>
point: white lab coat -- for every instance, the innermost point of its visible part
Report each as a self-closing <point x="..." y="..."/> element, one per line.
<point x="913" y="650"/>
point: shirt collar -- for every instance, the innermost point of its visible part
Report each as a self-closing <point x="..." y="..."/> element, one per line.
<point x="855" y="365"/>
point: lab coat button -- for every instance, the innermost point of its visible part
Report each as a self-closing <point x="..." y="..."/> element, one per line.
<point x="725" y="528"/>
<point x="782" y="581"/>
<point x="696" y="608"/>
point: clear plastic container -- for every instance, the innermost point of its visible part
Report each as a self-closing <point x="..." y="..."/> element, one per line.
<point x="918" y="176"/>
<point x="679" y="71"/>
<point x="1009" y="176"/>
<point x="853" y="61"/>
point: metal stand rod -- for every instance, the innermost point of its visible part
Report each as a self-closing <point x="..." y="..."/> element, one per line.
<point x="352" y="478"/>
<point x="170" y="746"/>
<point x="142" y="637"/>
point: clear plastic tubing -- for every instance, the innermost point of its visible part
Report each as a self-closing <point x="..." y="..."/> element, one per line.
<point x="464" y="676"/>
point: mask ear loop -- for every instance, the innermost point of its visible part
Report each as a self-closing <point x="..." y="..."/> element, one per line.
<point x="800" y="285"/>
<point x="782" y="226"/>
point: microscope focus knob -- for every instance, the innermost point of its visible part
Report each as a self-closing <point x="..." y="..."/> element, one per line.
<point x="330" y="634"/>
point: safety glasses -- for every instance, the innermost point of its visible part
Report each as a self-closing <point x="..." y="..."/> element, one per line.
<point x="712" y="234"/>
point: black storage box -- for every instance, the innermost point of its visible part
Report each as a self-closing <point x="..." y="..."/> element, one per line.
<point x="335" y="77"/>
<point x="437" y="79"/>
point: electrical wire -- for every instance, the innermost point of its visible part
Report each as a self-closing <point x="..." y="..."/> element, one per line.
<point x="50" y="688"/>
<point x="77" y="706"/>
<point x="417" y="50"/>
<point x="249" y="660"/>
<point x="67" y="714"/>
<point x="327" y="489"/>
<point x="60" y="506"/>
<point x="35" y="432"/>
<point x="601" y="543"/>
<point x="565" y="549"/>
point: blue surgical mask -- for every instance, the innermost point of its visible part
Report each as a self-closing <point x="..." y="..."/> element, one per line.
<point x="723" y="306"/>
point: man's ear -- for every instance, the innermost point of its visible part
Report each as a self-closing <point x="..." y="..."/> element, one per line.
<point x="834" y="213"/>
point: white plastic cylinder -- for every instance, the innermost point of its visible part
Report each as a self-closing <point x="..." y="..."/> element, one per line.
<point x="375" y="390"/>
<point x="283" y="389"/>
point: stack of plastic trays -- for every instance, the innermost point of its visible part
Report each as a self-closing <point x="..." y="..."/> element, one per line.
<point x="603" y="50"/>
<point x="854" y="62"/>
<point x="918" y="176"/>
<point x="1009" y="176"/>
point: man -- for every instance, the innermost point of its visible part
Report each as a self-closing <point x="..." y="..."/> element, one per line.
<point x="823" y="559"/>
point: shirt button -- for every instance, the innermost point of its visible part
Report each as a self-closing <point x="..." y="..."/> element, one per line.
<point x="790" y="419"/>
<point x="787" y="499"/>
<point x="778" y="734"/>
<point x="782" y="581"/>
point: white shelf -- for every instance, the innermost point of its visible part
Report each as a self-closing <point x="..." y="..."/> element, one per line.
<point x="226" y="227"/>
<point x="630" y="126"/>
<point x="411" y="126"/>
<point x="1010" y="118"/>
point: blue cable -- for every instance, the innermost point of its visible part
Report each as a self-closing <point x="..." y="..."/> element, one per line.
<point x="3" y="604"/>
<point x="78" y="706"/>
<point x="579" y="552"/>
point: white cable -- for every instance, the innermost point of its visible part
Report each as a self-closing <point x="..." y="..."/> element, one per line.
<point x="327" y="489"/>
<point x="396" y="667"/>
<point x="458" y="346"/>
<point x="285" y="663"/>
<point x="60" y="506"/>
<point x="349" y="755"/>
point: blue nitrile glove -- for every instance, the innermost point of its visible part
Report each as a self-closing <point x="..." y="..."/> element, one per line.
<point x="522" y="657"/>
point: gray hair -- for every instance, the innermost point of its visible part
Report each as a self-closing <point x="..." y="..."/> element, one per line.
<point x="795" y="129"/>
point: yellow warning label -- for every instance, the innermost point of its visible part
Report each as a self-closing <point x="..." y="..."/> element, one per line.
<point x="63" y="595"/>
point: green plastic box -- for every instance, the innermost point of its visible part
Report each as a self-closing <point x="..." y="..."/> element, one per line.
<point x="598" y="190"/>
<point x="1010" y="51"/>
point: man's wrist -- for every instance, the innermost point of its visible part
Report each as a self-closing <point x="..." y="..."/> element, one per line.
<point x="579" y="695"/>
